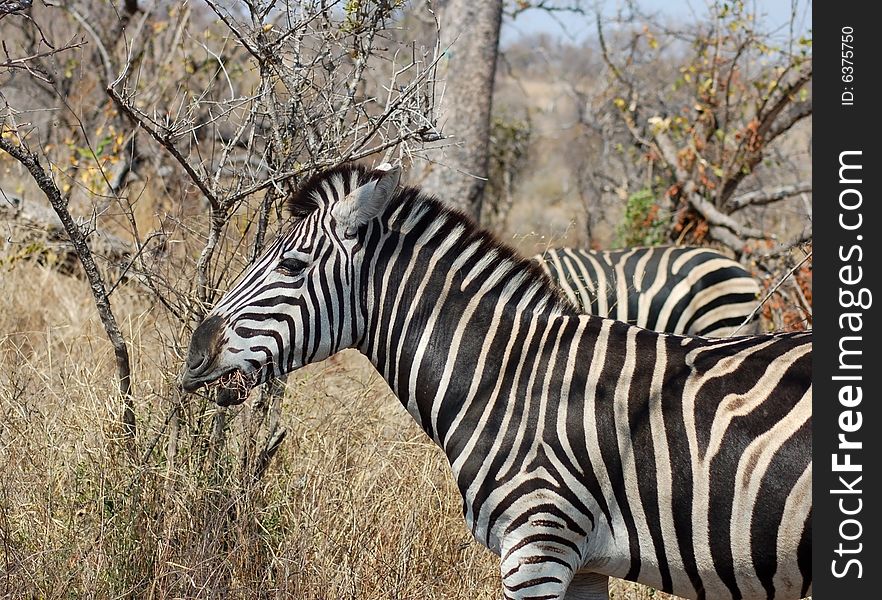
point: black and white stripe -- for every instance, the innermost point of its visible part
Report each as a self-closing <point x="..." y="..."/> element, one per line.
<point x="672" y="289"/>
<point x="584" y="448"/>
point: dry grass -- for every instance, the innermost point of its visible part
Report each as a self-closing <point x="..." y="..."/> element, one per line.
<point x="358" y="503"/>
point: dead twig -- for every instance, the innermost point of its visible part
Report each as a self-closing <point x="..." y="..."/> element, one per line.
<point x="772" y="291"/>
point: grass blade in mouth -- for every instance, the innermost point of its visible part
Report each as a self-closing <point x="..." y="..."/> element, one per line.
<point x="233" y="387"/>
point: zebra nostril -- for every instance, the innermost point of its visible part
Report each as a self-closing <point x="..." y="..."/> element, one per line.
<point x="196" y="363"/>
<point x="203" y="344"/>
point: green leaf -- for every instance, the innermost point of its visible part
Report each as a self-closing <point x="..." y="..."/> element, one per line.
<point x="102" y="145"/>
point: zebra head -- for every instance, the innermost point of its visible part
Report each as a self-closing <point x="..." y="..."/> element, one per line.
<point x="299" y="302"/>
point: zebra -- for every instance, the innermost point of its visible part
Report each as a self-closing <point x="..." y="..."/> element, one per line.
<point x="673" y="289"/>
<point x="583" y="448"/>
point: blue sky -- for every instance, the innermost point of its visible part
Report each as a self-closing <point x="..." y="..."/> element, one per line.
<point x="773" y="14"/>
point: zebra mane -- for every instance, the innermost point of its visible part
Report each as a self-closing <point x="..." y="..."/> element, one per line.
<point x="412" y="209"/>
<point x="314" y="192"/>
<point x="416" y="210"/>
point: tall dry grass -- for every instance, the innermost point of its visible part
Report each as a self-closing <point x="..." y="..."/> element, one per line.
<point x="358" y="503"/>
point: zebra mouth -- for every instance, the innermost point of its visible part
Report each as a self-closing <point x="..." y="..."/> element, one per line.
<point x="233" y="387"/>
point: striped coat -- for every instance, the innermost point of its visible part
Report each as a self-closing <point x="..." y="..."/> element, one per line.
<point x="584" y="448"/>
<point x="673" y="289"/>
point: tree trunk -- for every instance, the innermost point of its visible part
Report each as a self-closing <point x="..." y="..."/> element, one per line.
<point x="458" y="169"/>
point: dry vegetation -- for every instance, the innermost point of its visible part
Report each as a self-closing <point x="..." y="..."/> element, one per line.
<point x="356" y="502"/>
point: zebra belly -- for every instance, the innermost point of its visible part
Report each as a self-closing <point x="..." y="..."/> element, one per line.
<point x="754" y="542"/>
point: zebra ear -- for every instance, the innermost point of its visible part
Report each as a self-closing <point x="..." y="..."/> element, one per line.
<point x="368" y="201"/>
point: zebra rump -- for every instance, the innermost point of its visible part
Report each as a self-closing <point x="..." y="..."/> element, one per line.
<point x="672" y="289"/>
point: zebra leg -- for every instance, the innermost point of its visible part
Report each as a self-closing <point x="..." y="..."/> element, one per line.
<point x="536" y="570"/>
<point x="588" y="586"/>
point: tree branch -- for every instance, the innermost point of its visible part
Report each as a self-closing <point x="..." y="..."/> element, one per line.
<point x="715" y="217"/>
<point x="32" y="163"/>
<point x="102" y="51"/>
<point x="703" y="206"/>
<point x="772" y="291"/>
<point x="792" y="116"/>
<point x="166" y="143"/>
<point x="768" y="196"/>
<point x="767" y="119"/>
<point x="21" y="62"/>
<point x="769" y="128"/>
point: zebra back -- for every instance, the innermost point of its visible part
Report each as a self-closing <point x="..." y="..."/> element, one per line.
<point x="671" y="289"/>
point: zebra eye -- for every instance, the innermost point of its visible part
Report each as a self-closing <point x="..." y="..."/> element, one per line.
<point x="291" y="266"/>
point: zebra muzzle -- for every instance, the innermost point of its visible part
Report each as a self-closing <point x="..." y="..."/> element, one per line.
<point x="233" y="388"/>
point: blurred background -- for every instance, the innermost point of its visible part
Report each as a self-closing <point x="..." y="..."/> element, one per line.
<point x="146" y="149"/>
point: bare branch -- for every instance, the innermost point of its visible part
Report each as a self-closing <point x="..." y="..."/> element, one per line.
<point x="246" y="43"/>
<point x="785" y="247"/>
<point x="574" y="7"/>
<point x="786" y="97"/>
<point x="790" y="117"/>
<point x="772" y="291"/>
<point x="703" y="206"/>
<point x="721" y="234"/>
<point x="77" y="237"/>
<point x="21" y="62"/>
<point x="102" y="51"/>
<point x="669" y="154"/>
<point x="769" y="126"/>
<point x="715" y="217"/>
<point x="768" y="196"/>
<point x="165" y="141"/>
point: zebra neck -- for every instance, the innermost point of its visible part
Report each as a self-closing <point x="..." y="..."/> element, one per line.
<point x="440" y="306"/>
